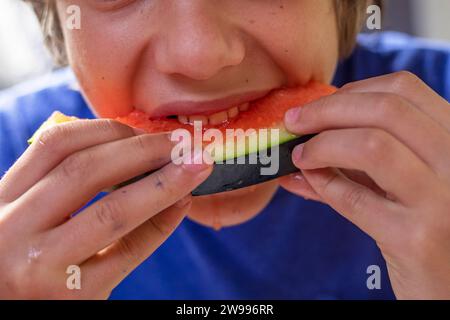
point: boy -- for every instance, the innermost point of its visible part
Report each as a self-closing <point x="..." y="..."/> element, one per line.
<point x="388" y="135"/>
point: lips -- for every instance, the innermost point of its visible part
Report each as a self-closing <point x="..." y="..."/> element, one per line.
<point x="213" y="112"/>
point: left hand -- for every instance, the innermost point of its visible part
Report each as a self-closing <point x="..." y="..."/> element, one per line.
<point x="382" y="160"/>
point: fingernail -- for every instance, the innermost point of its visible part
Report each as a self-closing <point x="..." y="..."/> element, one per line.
<point x="292" y="116"/>
<point x="297" y="153"/>
<point x="197" y="162"/>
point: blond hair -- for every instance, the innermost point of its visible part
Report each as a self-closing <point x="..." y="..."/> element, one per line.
<point x="350" y="17"/>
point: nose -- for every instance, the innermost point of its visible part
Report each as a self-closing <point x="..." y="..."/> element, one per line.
<point x="196" y="43"/>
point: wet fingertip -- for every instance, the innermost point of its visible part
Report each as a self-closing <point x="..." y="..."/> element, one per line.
<point x="292" y="116"/>
<point x="297" y="154"/>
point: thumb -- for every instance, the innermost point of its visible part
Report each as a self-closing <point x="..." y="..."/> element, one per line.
<point x="368" y="210"/>
<point x="297" y="184"/>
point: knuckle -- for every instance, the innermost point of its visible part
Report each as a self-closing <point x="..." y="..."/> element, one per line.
<point x="324" y="187"/>
<point x="404" y="80"/>
<point x="391" y="107"/>
<point x="53" y="139"/>
<point x="141" y="144"/>
<point x="109" y="214"/>
<point x="374" y="148"/>
<point x="77" y="165"/>
<point x="111" y="126"/>
<point x="163" y="229"/>
<point x="313" y="149"/>
<point x="354" y="198"/>
<point x="375" y="143"/>
<point x="129" y="250"/>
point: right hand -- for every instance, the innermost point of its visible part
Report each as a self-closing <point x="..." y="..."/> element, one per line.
<point x="40" y="237"/>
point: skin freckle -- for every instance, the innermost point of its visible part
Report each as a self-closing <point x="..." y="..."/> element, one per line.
<point x="159" y="184"/>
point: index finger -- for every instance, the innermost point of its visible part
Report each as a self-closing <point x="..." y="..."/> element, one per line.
<point x="411" y="88"/>
<point x="122" y="211"/>
<point x="53" y="146"/>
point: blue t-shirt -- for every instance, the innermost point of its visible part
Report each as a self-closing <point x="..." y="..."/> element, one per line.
<point x="293" y="249"/>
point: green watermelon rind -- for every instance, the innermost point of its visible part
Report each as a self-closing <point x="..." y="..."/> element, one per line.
<point x="249" y="146"/>
<point x="56" y="118"/>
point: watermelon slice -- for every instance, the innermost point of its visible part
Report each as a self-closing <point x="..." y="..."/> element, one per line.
<point x="56" y="118"/>
<point x="265" y="113"/>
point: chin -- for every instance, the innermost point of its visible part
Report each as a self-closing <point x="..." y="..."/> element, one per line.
<point x="233" y="207"/>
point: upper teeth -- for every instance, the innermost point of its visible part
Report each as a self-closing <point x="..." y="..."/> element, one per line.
<point x="216" y="118"/>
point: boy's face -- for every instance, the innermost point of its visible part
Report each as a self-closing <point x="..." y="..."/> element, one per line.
<point x="146" y="54"/>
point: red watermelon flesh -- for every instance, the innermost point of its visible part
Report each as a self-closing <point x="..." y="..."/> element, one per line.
<point x="267" y="112"/>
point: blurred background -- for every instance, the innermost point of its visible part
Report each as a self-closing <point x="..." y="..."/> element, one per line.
<point x="22" y="55"/>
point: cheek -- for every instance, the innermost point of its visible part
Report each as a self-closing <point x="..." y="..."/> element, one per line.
<point x="104" y="56"/>
<point x="302" y="39"/>
<point x="316" y="46"/>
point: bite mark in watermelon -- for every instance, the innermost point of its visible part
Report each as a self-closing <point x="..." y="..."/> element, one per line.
<point x="265" y="113"/>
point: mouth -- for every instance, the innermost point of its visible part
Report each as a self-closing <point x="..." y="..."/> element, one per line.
<point x="212" y="113"/>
